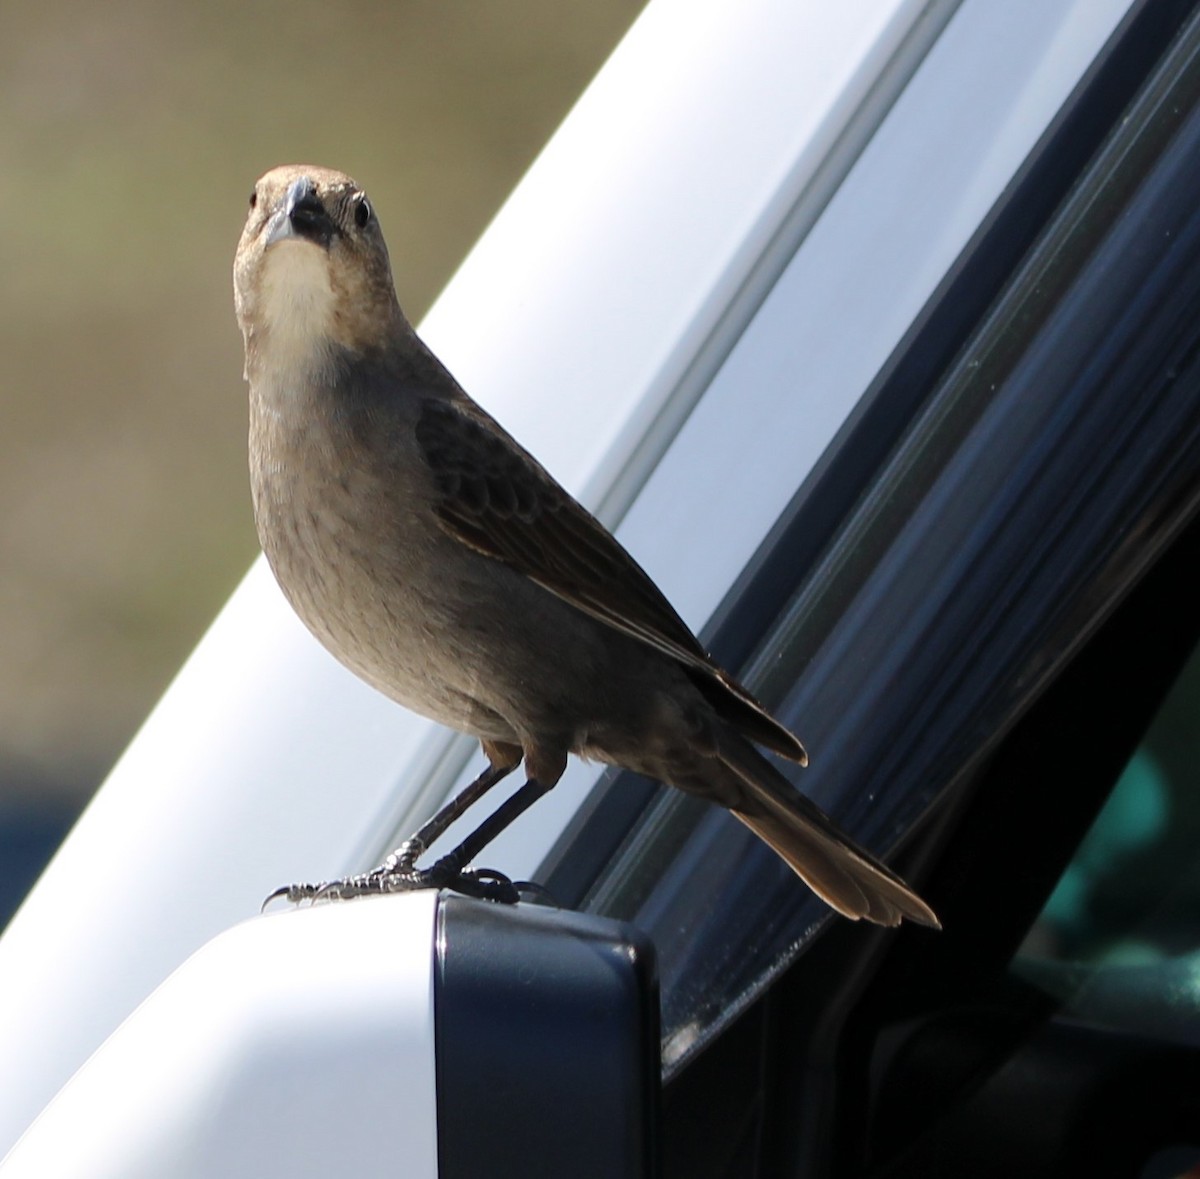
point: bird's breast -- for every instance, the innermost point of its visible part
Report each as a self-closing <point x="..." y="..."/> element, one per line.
<point x="349" y="535"/>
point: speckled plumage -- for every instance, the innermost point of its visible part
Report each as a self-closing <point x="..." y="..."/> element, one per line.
<point x="440" y="562"/>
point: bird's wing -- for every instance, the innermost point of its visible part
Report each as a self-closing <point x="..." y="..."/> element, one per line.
<point x="499" y="500"/>
<point x="496" y="498"/>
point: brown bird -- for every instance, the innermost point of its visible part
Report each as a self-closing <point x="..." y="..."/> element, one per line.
<point x="439" y="561"/>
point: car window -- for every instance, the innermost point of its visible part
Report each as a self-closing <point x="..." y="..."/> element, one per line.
<point x="1019" y="489"/>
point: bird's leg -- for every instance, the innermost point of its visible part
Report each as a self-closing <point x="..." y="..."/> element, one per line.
<point x="448" y="872"/>
<point x="406" y="855"/>
<point x="544" y="766"/>
<point x="398" y="872"/>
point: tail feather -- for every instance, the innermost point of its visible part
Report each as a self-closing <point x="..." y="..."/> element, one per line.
<point x="845" y="876"/>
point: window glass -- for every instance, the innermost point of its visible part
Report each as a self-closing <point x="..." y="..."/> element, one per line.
<point x="1050" y="462"/>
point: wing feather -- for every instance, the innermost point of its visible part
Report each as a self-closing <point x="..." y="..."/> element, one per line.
<point x="496" y="498"/>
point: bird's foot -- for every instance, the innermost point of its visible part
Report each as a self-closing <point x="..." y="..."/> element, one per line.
<point x="384" y="879"/>
<point x="489" y="885"/>
<point x="397" y="874"/>
<point x="486" y="884"/>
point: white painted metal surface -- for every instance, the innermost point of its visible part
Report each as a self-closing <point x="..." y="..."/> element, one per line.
<point x="299" y="1045"/>
<point x="706" y="266"/>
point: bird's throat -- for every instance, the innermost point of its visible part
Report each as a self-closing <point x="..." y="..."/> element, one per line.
<point x="297" y="305"/>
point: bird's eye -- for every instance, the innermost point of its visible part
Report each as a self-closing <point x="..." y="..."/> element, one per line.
<point x="362" y="213"/>
<point x="253" y="198"/>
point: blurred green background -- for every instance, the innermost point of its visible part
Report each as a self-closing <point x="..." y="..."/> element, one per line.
<point x="130" y="135"/>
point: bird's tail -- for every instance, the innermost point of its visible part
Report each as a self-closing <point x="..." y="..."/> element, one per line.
<point x="844" y="875"/>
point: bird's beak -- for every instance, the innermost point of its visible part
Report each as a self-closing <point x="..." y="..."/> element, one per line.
<point x="302" y="217"/>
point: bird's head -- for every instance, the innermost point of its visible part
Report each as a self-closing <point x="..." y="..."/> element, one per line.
<point x="311" y="272"/>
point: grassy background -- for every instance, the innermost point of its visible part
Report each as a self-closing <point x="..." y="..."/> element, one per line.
<point x="130" y="135"/>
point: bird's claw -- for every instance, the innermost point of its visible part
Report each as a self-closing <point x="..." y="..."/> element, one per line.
<point x="484" y="883"/>
<point x="384" y="879"/>
<point x="395" y="875"/>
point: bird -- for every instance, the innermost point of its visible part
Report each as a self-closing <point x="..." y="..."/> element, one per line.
<point x="432" y="555"/>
